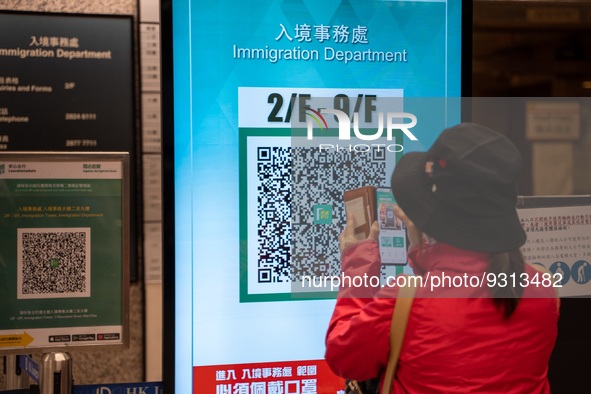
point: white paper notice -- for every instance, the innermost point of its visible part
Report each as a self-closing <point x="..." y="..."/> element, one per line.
<point x="559" y="239"/>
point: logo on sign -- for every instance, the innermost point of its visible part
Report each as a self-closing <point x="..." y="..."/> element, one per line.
<point x="323" y="214"/>
<point x="394" y="121"/>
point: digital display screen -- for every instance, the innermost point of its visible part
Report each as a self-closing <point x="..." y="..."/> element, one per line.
<point x="257" y="187"/>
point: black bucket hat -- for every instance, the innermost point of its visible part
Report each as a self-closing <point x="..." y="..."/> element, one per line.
<point x="463" y="190"/>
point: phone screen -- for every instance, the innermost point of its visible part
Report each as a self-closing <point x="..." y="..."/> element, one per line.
<point x="392" y="231"/>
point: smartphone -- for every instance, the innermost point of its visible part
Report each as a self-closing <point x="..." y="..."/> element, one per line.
<point x="392" y="231"/>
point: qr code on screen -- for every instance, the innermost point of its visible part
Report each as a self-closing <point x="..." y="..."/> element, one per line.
<point x="53" y="262"/>
<point x="293" y="184"/>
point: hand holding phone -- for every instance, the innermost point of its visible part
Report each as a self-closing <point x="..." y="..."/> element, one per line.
<point x="348" y="236"/>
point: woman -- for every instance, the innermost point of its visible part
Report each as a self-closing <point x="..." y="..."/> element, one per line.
<point x="458" y="204"/>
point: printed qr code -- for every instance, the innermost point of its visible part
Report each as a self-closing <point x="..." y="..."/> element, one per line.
<point x="293" y="181"/>
<point x="53" y="262"/>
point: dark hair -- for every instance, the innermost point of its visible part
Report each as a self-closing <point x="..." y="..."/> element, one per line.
<point x="511" y="264"/>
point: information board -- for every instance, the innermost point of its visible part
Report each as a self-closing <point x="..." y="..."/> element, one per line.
<point x="64" y="250"/>
<point x="67" y="84"/>
<point x="559" y="238"/>
<point x="242" y="185"/>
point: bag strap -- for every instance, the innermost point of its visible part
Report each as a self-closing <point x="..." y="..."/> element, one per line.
<point x="397" y="330"/>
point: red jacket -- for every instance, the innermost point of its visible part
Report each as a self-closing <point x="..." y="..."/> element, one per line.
<point x="452" y="345"/>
